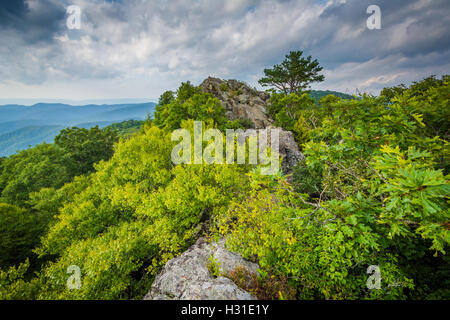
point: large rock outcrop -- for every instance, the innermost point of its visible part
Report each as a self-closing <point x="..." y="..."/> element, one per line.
<point x="187" y="277"/>
<point x="240" y="101"/>
<point x="243" y="102"/>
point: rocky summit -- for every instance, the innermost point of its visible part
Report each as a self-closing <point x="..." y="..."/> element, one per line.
<point x="239" y="100"/>
<point x="243" y="102"/>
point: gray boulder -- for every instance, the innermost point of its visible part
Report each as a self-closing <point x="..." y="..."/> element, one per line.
<point x="287" y="148"/>
<point x="239" y="100"/>
<point x="187" y="277"/>
<point x="243" y="102"/>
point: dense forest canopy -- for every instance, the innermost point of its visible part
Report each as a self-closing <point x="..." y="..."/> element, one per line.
<point x="24" y="126"/>
<point x="373" y="190"/>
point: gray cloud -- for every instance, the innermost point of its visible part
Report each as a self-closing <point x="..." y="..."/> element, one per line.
<point x="32" y="20"/>
<point x="11" y="12"/>
<point x="408" y="27"/>
<point x="138" y="48"/>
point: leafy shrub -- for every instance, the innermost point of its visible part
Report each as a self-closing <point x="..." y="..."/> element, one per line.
<point x="86" y="146"/>
<point x="14" y="285"/>
<point x="201" y="107"/>
<point x="138" y="212"/>
<point x="20" y="230"/>
<point x="28" y="171"/>
<point x="373" y="190"/>
<point x="285" y="108"/>
<point x="268" y="288"/>
<point x="214" y="267"/>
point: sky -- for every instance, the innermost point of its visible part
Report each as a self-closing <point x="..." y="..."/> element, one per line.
<point x="137" y="49"/>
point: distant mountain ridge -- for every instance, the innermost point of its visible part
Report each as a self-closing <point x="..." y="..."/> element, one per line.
<point x="25" y="126"/>
<point x="30" y="102"/>
<point x="318" y="94"/>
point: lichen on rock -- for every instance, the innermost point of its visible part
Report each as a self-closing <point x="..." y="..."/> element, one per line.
<point x="187" y="277"/>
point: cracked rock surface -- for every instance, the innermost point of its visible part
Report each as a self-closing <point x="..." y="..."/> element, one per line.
<point x="239" y="100"/>
<point x="187" y="277"/>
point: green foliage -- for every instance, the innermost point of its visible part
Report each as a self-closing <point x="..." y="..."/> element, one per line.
<point x="307" y="179"/>
<point x="372" y="190"/>
<point x="126" y="128"/>
<point x="19" y="233"/>
<point x="414" y="195"/>
<point x="429" y="98"/>
<point x="50" y="200"/>
<point x="14" y="285"/>
<point x="214" y="266"/>
<point x="240" y="124"/>
<point x="191" y="103"/>
<point x="28" y="171"/>
<point x="51" y="165"/>
<point x="32" y="179"/>
<point x="121" y="224"/>
<point x="166" y="98"/>
<point x="300" y="112"/>
<point x="224" y="86"/>
<point x="294" y="74"/>
<point x="86" y="147"/>
<point x="186" y="91"/>
<point x="323" y="255"/>
<point x="417" y="89"/>
<point x="389" y="93"/>
<point x="285" y="108"/>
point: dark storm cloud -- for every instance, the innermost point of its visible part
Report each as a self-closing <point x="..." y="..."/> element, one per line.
<point x="11" y="12"/>
<point x="33" y="21"/>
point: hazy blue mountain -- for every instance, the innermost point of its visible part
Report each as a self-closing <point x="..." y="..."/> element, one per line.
<point x="100" y="124"/>
<point x="68" y="114"/>
<point x="25" y="126"/>
<point x="10" y="126"/>
<point x="24" y="138"/>
<point x="30" y="102"/>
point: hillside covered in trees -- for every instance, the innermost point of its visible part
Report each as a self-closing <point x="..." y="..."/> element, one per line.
<point x="372" y="191"/>
<point x="22" y="127"/>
